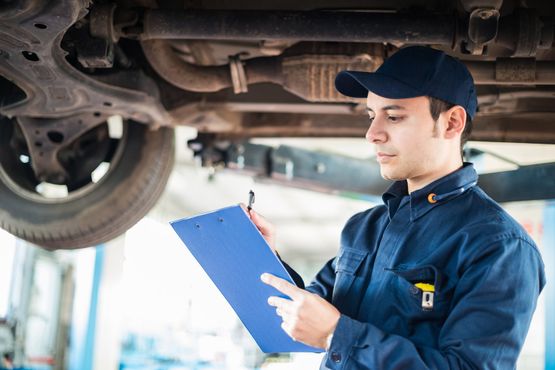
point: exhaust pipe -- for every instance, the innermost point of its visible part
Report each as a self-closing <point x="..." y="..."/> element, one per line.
<point x="310" y="77"/>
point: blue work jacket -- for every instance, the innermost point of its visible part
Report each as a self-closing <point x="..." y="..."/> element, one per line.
<point x="486" y="273"/>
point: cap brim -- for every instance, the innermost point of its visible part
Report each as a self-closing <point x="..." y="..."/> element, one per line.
<point x="356" y="84"/>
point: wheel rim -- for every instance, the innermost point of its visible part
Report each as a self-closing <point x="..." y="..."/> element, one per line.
<point x="88" y="160"/>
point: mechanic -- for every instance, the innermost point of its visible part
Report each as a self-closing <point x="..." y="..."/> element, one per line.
<point x="439" y="276"/>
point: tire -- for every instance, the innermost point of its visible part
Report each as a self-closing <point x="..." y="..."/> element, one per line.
<point x="108" y="208"/>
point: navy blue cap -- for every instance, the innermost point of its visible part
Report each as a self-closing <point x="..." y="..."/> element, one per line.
<point x="411" y="72"/>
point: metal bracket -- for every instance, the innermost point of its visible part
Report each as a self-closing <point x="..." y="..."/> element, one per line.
<point x="46" y="137"/>
<point x="95" y="52"/>
<point x="238" y="75"/>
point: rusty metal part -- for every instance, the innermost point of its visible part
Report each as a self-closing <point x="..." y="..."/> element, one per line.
<point x="505" y="128"/>
<point x="308" y="26"/>
<point x="520" y="70"/>
<point x="312" y="76"/>
<point x="303" y="125"/>
<point x="513" y="71"/>
<point x="238" y="76"/>
<point x="482" y="29"/>
<point x="102" y="22"/>
<point x="182" y="74"/>
<point x="483" y="22"/>
<point x="93" y="52"/>
<point x="242" y="120"/>
<point x="470" y="5"/>
<point x="525" y="32"/>
<point x="46" y="137"/>
<point x="32" y="57"/>
<point x="308" y="76"/>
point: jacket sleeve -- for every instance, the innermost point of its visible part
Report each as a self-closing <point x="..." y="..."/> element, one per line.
<point x="491" y="309"/>
<point x="294" y="274"/>
<point x="324" y="281"/>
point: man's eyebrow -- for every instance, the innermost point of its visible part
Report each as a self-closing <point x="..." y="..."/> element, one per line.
<point x="387" y="107"/>
<point x="393" y="107"/>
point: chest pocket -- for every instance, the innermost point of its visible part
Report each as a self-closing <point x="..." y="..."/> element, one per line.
<point x="349" y="280"/>
<point x="409" y="297"/>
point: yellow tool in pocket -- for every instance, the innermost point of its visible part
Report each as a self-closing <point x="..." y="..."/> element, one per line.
<point x="428" y="291"/>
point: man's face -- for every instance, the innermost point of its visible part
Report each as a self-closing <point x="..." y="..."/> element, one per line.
<point x="408" y="143"/>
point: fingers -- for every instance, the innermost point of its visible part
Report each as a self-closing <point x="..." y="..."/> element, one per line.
<point x="284" y="307"/>
<point x="244" y="207"/>
<point x="288" y="329"/>
<point x="263" y="225"/>
<point x="267" y="229"/>
<point x="283" y="286"/>
<point x="305" y="317"/>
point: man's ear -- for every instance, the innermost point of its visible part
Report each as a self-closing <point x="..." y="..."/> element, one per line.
<point x="456" y="120"/>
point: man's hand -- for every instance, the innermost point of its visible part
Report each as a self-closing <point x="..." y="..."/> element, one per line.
<point x="307" y="317"/>
<point x="267" y="230"/>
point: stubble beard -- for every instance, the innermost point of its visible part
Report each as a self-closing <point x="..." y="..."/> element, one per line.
<point x="392" y="174"/>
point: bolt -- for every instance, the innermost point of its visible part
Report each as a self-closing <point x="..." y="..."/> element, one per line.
<point x="486" y="14"/>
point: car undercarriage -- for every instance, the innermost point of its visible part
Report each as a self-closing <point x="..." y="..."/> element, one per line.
<point x="90" y="92"/>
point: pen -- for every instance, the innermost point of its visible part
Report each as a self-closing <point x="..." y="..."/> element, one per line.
<point x="251" y="200"/>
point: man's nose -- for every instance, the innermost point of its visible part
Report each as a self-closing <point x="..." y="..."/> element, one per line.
<point x="376" y="133"/>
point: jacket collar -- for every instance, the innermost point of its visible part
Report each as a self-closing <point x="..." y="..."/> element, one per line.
<point x="438" y="192"/>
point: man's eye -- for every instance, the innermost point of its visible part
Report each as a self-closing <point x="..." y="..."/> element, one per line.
<point x="394" y="118"/>
<point x="371" y="119"/>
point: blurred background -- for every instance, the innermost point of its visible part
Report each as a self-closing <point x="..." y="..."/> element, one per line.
<point x="143" y="302"/>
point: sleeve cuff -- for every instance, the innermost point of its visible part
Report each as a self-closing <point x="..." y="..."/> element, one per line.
<point x="350" y="335"/>
<point x="345" y="336"/>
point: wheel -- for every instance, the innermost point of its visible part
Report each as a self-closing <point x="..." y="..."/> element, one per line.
<point x="116" y="173"/>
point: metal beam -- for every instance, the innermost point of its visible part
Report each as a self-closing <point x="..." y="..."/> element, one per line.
<point x="307" y="26"/>
<point x="335" y="173"/>
<point x="246" y="123"/>
<point x="534" y="182"/>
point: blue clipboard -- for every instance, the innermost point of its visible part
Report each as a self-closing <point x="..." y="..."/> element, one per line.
<point x="234" y="254"/>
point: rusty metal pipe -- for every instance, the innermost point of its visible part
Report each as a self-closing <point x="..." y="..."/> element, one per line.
<point x="308" y="76"/>
<point x="191" y="77"/>
<point x="307" y="26"/>
<point x="311" y="76"/>
<point x="173" y="69"/>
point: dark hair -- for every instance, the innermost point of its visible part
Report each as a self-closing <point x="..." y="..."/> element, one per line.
<point x="438" y="106"/>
